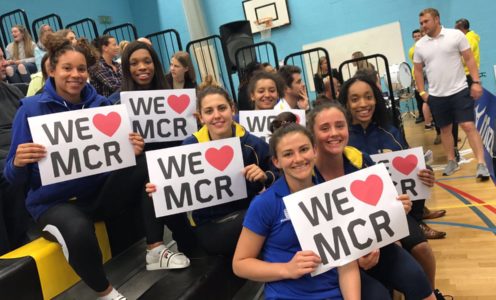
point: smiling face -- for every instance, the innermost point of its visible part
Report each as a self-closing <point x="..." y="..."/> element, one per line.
<point x="217" y="114"/>
<point x="331" y="131"/>
<point x="142" y="68"/>
<point x="17" y="34"/>
<point x="361" y="103"/>
<point x="295" y="155"/>
<point x="265" y="95"/>
<point x="70" y="75"/>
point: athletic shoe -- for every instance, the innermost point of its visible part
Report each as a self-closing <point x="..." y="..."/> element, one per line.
<point x="113" y="295"/>
<point x="451" y="168"/>
<point x="482" y="172"/>
<point x="437" y="140"/>
<point x="161" y="258"/>
<point x="428" y="126"/>
<point x="457" y="155"/>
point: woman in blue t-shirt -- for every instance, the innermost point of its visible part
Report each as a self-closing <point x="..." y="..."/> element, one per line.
<point x="391" y="265"/>
<point x="267" y="230"/>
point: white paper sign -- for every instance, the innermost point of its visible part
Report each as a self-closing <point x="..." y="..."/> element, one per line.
<point x="403" y="167"/>
<point x="257" y="122"/>
<point x="195" y="176"/>
<point x="162" y="115"/>
<point x="345" y="218"/>
<point x="83" y="142"/>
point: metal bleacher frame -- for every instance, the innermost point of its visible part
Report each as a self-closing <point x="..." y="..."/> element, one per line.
<point x="79" y="27"/>
<point x="53" y="20"/>
<point x="126" y="31"/>
<point x="7" y="20"/>
<point x="306" y="60"/>
<point x="208" y="58"/>
<point x="258" y="52"/>
<point x="394" y="104"/>
<point x="166" y="43"/>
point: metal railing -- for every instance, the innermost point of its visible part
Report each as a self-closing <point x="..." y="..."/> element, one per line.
<point x="126" y="31"/>
<point x="166" y="43"/>
<point x="15" y="17"/>
<point x="53" y="20"/>
<point x="84" y="28"/>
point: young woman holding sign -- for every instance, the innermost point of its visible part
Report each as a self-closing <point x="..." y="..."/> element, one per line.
<point x="391" y="265"/>
<point x="65" y="210"/>
<point x="217" y="228"/>
<point x="268" y="231"/>
<point x="372" y="133"/>
<point x="142" y="70"/>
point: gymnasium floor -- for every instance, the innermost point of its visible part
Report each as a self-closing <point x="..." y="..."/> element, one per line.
<point x="466" y="258"/>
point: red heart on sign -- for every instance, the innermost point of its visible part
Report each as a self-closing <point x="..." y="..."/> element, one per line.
<point x="405" y="164"/>
<point x="368" y="191"/>
<point x="297" y="119"/>
<point x="220" y="158"/>
<point x="178" y="103"/>
<point x="107" y="124"/>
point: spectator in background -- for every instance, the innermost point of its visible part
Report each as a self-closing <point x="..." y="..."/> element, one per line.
<point x="319" y="77"/>
<point x="295" y="93"/>
<point x="267" y="67"/>
<point x="182" y="73"/>
<point x="337" y="81"/>
<point x="361" y="64"/>
<point x="244" y="102"/>
<point x="40" y="48"/>
<point x="14" y="219"/>
<point x="106" y="74"/>
<point x="122" y="45"/>
<point x="473" y="39"/>
<point x="20" y="56"/>
<point x="265" y="90"/>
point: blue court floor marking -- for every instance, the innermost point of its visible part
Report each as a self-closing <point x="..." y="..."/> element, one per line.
<point x="454" y="178"/>
<point x="477" y="211"/>
<point x="493" y="230"/>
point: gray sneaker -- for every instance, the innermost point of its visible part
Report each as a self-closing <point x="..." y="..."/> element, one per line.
<point x="482" y="172"/>
<point x="452" y="167"/>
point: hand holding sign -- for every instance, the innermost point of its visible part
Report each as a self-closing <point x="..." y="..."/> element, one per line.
<point x="304" y="262"/>
<point x="407" y="169"/>
<point x="28" y="153"/>
<point x="138" y="142"/>
<point x="254" y="173"/>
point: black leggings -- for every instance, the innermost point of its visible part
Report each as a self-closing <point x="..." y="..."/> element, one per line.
<point x="398" y="270"/>
<point x="71" y="223"/>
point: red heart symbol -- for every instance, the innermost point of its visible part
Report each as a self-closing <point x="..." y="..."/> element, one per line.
<point x="220" y="158"/>
<point x="107" y="124"/>
<point x="405" y="165"/>
<point x="368" y="191"/>
<point x="297" y="119"/>
<point x="178" y="103"/>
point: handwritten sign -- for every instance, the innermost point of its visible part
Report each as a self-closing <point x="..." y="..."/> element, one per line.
<point x="257" y="122"/>
<point x="403" y="167"/>
<point x="195" y="176"/>
<point x="83" y="142"/>
<point x="346" y="218"/>
<point x="162" y="115"/>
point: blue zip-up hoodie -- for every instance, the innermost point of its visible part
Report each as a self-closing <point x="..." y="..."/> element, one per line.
<point x="40" y="198"/>
<point x="376" y="139"/>
<point x="255" y="151"/>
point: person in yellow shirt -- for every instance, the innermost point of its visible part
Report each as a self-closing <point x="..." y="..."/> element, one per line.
<point x="417" y="35"/>
<point x="473" y="39"/>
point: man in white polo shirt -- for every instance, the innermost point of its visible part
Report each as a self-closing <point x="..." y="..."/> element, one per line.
<point x="451" y="101"/>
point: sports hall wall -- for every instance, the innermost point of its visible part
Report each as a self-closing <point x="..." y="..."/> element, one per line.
<point x="311" y="20"/>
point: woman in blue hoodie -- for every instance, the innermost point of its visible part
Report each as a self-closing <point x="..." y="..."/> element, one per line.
<point x="65" y="210"/>
<point x="372" y="132"/>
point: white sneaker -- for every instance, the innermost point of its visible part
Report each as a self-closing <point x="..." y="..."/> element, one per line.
<point x="161" y="258"/>
<point x="113" y="295"/>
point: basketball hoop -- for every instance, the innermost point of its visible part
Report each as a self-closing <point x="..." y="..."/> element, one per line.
<point x="264" y="25"/>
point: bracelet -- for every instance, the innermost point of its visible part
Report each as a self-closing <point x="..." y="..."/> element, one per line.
<point x="422" y="93"/>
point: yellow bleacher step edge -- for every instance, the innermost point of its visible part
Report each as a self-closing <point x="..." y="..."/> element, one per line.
<point x="56" y="275"/>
